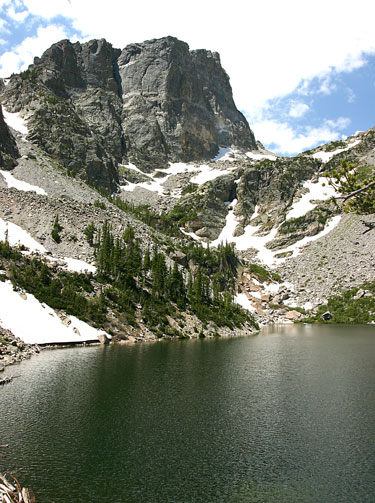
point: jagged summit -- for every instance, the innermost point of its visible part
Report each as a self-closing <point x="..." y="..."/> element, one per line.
<point x="92" y="106"/>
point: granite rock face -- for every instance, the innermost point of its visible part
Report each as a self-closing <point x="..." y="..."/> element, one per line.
<point x="177" y="104"/>
<point x="8" y="147"/>
<point x="91" y="106"/>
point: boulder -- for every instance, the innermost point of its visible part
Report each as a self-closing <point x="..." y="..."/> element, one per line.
<point x="359" y="294"/>
<point x="293" y="315"/>
<point x="103" y="339"/>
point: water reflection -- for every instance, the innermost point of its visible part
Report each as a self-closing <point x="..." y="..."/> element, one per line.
<point x="284" y="416"/>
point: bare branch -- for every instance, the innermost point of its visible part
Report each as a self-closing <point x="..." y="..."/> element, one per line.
<point x="358" y="191"/>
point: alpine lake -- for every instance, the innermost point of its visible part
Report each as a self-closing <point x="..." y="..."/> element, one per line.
<point x="284" y="416"/>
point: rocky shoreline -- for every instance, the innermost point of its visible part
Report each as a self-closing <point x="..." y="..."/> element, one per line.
<point x="14" y="350"/>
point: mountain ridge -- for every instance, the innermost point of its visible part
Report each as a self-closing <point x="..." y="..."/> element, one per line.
<point x="91" y="106"/>
<point x="282" y="230"/>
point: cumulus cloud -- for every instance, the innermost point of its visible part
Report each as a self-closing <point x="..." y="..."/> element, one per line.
<point x="340" y="123"/>
<point x="268" y="48"/>
<point x="3" y="27"/>
<point x="284" y="139"/>
<point x="298" y="109"/>
<point x="49" y="10"/>
<point x="21" y="56"/>
<point x="327" y="86"/>
<point x="18" y="16"/>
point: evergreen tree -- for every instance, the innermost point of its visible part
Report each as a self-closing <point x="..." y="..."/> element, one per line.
<point x="89" y="232"/>
<point x="56" y="229"/>
<point x="356" y="186"/>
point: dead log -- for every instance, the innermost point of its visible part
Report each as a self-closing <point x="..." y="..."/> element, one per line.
<point x="7" y="380"/>
<point x="12" y="492"/>
<point x="370" y="225"/>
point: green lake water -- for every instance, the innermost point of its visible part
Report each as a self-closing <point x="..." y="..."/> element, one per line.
<point x="285" y="416"/>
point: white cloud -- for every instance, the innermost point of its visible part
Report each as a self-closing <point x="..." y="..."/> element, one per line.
<point x="19" y="17"/>
<point x="3" y="27"/>
<point x="327" y="86"/>
<point x="340" y="123"/>
<point x="2" y="41"/>
<point x="351" y="97"/>
<point x="21" y="56"/>
<point x="285" y="140"/>
<point x="298" y="109"/>
<point x="268" y="48"/>
<point x="49" y="10"/>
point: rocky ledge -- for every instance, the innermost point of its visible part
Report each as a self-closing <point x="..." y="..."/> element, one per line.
<point x="13" y="349"/>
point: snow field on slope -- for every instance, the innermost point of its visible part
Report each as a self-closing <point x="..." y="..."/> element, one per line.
<point x="249" y="240"/>
<point x="76" y="265"/>
<point x="316" y="191"/>
<point x="327" y="156"/>
<point x="208" y="174"/>
<point x="244" y="302"/>
<point x="15" y="121"/>
<point x="258" y="157"/>
<point x="37" y="323"/>
<point x="18" y="236"/>
<point x="156" y="184"/>
<point x="20" y="185"/>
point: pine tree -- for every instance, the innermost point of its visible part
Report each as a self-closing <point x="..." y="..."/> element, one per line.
<point x="89" y="232"/>
<point x="56" y="229"/>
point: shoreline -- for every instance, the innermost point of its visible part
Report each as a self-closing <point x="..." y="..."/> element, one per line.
<point x="16" y="350"/>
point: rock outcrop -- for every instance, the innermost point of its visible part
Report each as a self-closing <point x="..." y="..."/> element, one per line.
<point x="8" y="147"/>
<point x="91" y="106"/>
<point x="177" y="104"/>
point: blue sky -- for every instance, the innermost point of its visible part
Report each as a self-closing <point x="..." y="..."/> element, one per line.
<point x="302" y="72"/>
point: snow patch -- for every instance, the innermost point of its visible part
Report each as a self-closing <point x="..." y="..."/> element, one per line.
<point x="226" y="235"/>
<point x="256" y="156"/>
<point x="271" y="287"/>
<point x="18" y="236"/>
<point x="224" y="154"/>
<point x="20" y="185"/>
<point x="243" y="301"/>
<point x="316" y="191"/>
<point x="327" y="156"/>
<point x="308" y="306"/>
<point x="15" y="121"/>
<point x="256" y="212"/>
<point x="76" y="265"/>
<point x="250" y="240"/>
<point x="193" y="236"/>
<point x="208" y="174"/>
<point x="37" y="323"/>
<point x="154" y="183"/>
<point x="296" y="247"/>
<point x="179" y="167"/>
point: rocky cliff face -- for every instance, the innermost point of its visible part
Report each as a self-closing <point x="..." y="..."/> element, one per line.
<point x="91" y="106"/>
<point x="177" y="104"/>
<point x="8" y="147"/>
